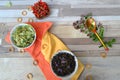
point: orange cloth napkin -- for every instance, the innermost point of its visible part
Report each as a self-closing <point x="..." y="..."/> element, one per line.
<point x="45" y="46"/>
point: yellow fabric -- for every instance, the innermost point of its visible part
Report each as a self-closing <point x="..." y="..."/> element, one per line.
<point x="50" y="45"/>
<point x="79" y="71"/>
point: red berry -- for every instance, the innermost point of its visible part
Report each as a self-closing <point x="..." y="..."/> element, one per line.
<point x="40" y="9"/>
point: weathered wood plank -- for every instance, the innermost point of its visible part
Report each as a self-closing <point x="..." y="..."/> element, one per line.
<point x="95" y="5"/>
<point x="95" y="11"/>
<point x="111" y="24"/>
<point x="84" y="41"/>
<point x="96" y="53"/>
<point x="18" y="13"/>
<point x="107" y="67"/>
<point x="76" y="47"/>
<point x="79" y="53"/>
<point x="19" y="2"/>
<point x="15" y="65"/>
<point x="91" y="47"/>
<point x="66" y="19"/>
<point x="18" y="68"/>
<point x="14" y="7"/>
<point x="51" y="6"/>
<point x="71" y="32"/>
<point x="15" y="54"/>
<point x="102" y="69"/>
<point x="25" y="2"/>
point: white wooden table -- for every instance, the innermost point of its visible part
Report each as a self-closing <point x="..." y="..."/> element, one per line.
<point x="16" y="65"/>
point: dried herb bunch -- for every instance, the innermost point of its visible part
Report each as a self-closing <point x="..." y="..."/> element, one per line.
<point x="81" y="25"/>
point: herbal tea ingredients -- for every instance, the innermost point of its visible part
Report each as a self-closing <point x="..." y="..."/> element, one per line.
<point x="81" y="24"/>
<point x="23" y="35"/>
<point x="63" y="64"/>
<point x="40" y="9"/>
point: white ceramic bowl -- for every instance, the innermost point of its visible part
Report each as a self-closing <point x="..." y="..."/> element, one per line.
<point x="15" y="28"/>
<point x="76" y="64"/>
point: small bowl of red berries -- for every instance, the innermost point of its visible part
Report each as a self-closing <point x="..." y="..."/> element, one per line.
<point x="40" y="9"/>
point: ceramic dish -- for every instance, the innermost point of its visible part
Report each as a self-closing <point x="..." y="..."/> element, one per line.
<point x="64" y="64"/>
<point x="22" y="36"/>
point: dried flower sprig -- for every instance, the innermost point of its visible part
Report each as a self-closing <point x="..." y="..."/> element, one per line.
<point x="81" y="25"/>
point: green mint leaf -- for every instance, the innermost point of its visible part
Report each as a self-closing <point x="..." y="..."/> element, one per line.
<point x="95" y="39"/>
<point x="101" y="32"/>
<point x="113" y="40"/>
<point x="109" y="44"/>
<point x="100" y="46"/>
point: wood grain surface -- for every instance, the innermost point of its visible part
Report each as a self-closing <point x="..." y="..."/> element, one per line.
<point x="15" y="65"/>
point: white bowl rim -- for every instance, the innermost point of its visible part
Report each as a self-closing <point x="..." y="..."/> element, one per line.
<point x="76" y="66"/>
<point x="15" y="28"/>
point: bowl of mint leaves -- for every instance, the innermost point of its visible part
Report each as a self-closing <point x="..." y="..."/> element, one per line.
<point x="22" y="35"/>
